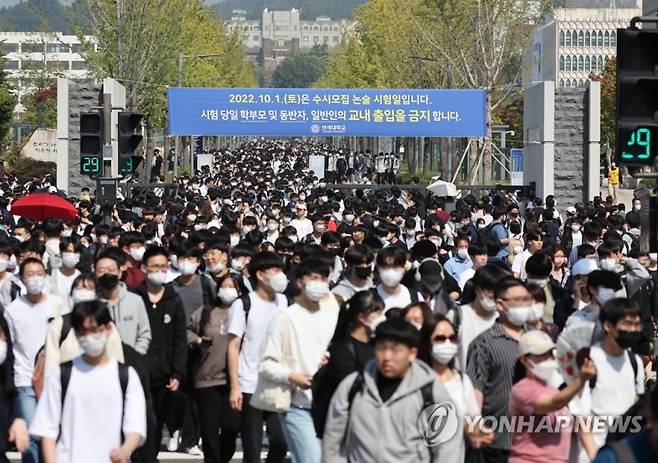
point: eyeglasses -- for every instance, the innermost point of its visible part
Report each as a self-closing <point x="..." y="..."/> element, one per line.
<point x="521" y="300"/>
<point x="441" y="338"/>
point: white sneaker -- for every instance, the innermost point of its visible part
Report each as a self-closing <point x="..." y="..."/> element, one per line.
<point x="172" y="446"/>
<point x="194" y="451"/>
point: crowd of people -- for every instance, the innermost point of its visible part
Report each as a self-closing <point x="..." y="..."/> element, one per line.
<point x="253" y="299"/>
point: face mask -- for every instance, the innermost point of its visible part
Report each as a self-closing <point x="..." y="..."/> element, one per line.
<point x="294" y="238"/>
<point x="67" y="233"/>
<point x="138" y="253"/>
<point x="187" y="267"/>
<point x="536" y="312"/>
<point x="375" y="223"/>
<point x="410" y="233"/>
<point x="488" y="304"/>
<point x="83" y="295"/>
<point x="608" y="264"/>
<point x="19" y="238"/>
<point x="93" y="344"/>
<point x="575" y="228"/>
<point x="272" y="227"/>
<point x="518" y="315"/>
<point x="173" y="260"/>
<point x="444" y="352"/>
<point x="286" y="220"/>
<point x="278" y="282"/>
<point x="391" y="277"/>
<point x="628" y="339"/>
<point x="70" y="259"/>
<point x="349" y="218"/>
<point x="4" y="264"/>
<point x="103" y="239"/>
<point x="383" y="240"/>
<point x="235" y="240"/>
<point x="218" y="267"/>
<point x="375" y="323"/>
<point x="537" y="281"/>
<point x="3" y="351"/>
<point x="319" y="228"/>
<point x="316" y="290"/>
<point x="637" y="207"/>
<point x="363" y="272"/>
<point x="237" y="264"/>
<point x="157" y="278"/>
<point x="324" y="199"/>
<point x="12" y="263"/>
<point x="34" y="285"/>
<point x="417" y="325"/>
<point x="544" y="370"/>
<point x="462" y="253"/>
<point x="227" y="295"/>
<point x="604" y="294"/>
<point x="246" y="230"/>
<point x="108" y="281"/>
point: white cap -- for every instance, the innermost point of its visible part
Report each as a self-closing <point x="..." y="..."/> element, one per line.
<point x="535" y="342"/>
<point x="584" y="266"/>
<point x="653" y="256"/>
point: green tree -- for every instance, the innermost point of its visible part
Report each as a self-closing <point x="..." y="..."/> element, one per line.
<point x="8" y="102"/>
<point x="299" y="71"/>
<point x="608" y="80"/>
<point x="41" y="107"/>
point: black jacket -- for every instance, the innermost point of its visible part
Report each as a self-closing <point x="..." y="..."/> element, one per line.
<point x="7" y="391"/>
<point x="167" y="354"/>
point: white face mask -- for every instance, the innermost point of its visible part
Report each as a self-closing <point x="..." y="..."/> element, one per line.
<point x="375" y="323"/>
<point x="93" y="344"/>
<point x="173" y="260"/>
<point x="462" y="253"/>
<point x="70" y="259"/>
<point x="391" y="277"/>
<point x="536" y="312"/>
<point x="238" y="264"/>
<point x="294" y="238"/>
<point x="316" y="289"/>
<point x="157" y="278"/>
<point x="235" y="240"/>
<point x="608" y="264"/>
<point x="83" y="295"/>
<point x="542" y="282"/>
<point x="488" y="304"/>
<point x="518" y="315"/>
<point x="34" y="285"/>
<point x="444" y="352"/>
<point x="544" y="370"/>
<point x="4" y="264"/>
<point x="349" y="218"/>
<point x="3" y="351"/>
<point x="575" y="228"/>
<point x="227" y="295"/>
<point x="138" y="253"/>
<point x="278" y="282"/>
<point x="637" y="207"/>
<point x="604" y="294"/>
<point x="187" y="267"/>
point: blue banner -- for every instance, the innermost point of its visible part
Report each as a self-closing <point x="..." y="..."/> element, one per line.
<point x="516" y="155"/>
<point x="327" y="112"/>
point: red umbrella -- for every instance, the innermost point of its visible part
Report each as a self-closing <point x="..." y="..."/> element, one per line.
<point x="40" y="206"/>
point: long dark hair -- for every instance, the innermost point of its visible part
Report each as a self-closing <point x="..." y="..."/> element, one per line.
<point x="362" y="303"/>
<point x="205" y="312"/>
<point x="425" y="344"/>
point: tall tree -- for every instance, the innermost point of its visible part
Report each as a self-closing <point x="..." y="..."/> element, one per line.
<point x="608" y="80"/>
<point x="298" y="71"/>
<point x="8" y="101"/>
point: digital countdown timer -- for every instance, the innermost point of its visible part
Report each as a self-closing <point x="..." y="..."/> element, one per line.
<point x="638" y="146"/>
<point x="90" y="164"/>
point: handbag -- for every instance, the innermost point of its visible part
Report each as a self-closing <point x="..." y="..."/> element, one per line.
<point x="271" y="396"/>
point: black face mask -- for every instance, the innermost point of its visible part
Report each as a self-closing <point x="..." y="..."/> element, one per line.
<point x="108" y="281"/>
<point x="363" y="272"/>
<point x="629" y="339"/>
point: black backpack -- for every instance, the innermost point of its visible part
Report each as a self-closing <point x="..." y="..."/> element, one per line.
<point x="635" y="243"/>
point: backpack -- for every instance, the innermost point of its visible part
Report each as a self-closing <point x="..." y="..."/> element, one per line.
<point x="635" y="243"/>
<point x="490" y="239"/>
<point x="66" y="370"/>
<point x="40" y="359"/>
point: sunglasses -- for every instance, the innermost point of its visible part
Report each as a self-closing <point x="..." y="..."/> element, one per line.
<point x="441" y="338"/>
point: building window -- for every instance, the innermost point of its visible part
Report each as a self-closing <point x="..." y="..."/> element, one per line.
<point x="78" y="65"/>
<point x="10" y="47"/>
<point x="574" y="38"/>
<point x="256" y="38"/>
<point x="561" y="63"/>
<point x="568" y="39"/>
<point x="613" y="39"/>
<point x="11" y="64"/>
<point x="335" y="39"/>
<point x="581" y="39"/>
<point x="567" y="65"/>
<point x="600" y="66"/>
<point x="306" y="38"/>
<point x="32" y="47"/>
<point x="606" y="39"/>
<point x="561" y="82"/>
<point x="587" y="63"/>
<point x="581" y="64"/>
<point x="599" y="41"/>
<point x="587" y="39"/>
<point x="561" y="38"/>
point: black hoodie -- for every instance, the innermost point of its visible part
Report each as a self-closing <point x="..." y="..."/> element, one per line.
<point x="167" y="354"/>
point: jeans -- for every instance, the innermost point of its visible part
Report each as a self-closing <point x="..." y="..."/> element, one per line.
<point x="216" y="414"/>
<point x="252" y="434"/>
<point x="26" y="403"/>
<point x="300" y="434"/>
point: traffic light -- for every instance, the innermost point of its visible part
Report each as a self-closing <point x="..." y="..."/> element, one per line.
<point x="637" y="96"/>
<point x="91" y="143"/>
<point x="128" y="142"/>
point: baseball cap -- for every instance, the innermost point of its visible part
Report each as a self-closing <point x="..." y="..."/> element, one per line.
<point x="584" y="266"/>
<point x="535" y="342"/>
<point x="431" y="273"/>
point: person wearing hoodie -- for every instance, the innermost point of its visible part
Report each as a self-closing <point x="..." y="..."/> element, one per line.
<point x="167" y="353"/>
<point x="374" y="414"/>
<point x="127" y="308"/>
<point x="358" y="259"/>
<point x="132" y="243"/>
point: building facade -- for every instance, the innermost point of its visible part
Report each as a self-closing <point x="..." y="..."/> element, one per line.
<point x="574" y="42"/>
<point x="32" y="55"/>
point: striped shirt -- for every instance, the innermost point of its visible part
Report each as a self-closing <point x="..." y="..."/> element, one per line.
<point x="490" y="365"/>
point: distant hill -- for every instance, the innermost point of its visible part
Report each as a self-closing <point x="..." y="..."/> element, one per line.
<point x="310" y="9"/>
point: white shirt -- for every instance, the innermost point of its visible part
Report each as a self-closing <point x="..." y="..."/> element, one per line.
<point x="304" y="227"/>
<point x="65" y="283"/>
<point x="471" y="325"/>
<point x="465" y="277"/>
<point x="518" y="264"/>
<point x="91" y="419"/>
<point x="462" y="393"/>
<point x="28" y="327"/>
<point x="400" y="300"/>
<point x="254" y="331"/>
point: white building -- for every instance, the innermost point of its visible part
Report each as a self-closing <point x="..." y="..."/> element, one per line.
<point x="250" y="28"/>
<point x="575" y="41"/>
<point x="29" y="54"/>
